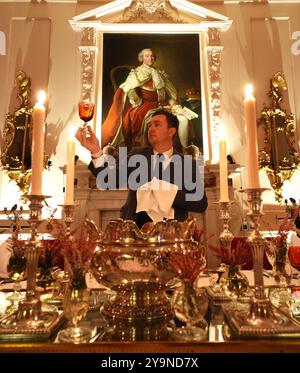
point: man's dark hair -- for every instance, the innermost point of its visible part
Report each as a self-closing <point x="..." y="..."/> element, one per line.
<point x="172" y="120"/>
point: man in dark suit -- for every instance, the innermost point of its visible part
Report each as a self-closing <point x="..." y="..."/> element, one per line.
<point x="159" y="164"/>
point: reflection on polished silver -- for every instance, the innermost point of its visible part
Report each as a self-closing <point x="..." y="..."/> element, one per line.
<point x="226" y="236"/>
<point x="29" y="319"/>
<point x="259" y="318"/>
<point x="134" y="263"/>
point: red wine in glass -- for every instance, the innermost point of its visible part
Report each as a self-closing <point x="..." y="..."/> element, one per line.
<point x="86" y="113"/>
<point x="294" y="256"/>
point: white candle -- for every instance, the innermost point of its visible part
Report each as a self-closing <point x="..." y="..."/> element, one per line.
<point x="70" y="168"/>
<point x="38" y="139"/>
<point x="223" y="167"/>
<point x="251" y="136"/>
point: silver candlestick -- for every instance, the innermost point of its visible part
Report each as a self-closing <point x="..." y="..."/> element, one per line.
<point x="29" y="321"/>
<point x="30" y="307"/>
<point x="226" y="236"/>
<point x="68" y="213"/>
<point x="216" y="292"/>
<point x="68" y="216"/>
<point x="260" y="304"/>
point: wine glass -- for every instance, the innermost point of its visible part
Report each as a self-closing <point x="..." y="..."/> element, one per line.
<point x="76" y="305"/>
<point x="16" y="269"/>
<point x="86" y="113"/>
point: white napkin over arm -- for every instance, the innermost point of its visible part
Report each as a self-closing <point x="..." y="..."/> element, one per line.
<point x="156" y="198"/>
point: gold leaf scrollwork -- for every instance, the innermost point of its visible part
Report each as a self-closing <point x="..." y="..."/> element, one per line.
<point x="16" y="152"/>
<point x="279" y="156"/>
<point x="88" y="51"/>
<point x="16" y="157"/>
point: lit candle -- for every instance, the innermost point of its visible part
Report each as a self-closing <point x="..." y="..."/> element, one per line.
<point x="70" y="168"/>
<point x="251" y="136"/>
<point x="38" y="139"/>
<point x="223" y="167"/>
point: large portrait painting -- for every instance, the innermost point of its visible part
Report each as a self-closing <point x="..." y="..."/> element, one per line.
<point x="172" y="80"/>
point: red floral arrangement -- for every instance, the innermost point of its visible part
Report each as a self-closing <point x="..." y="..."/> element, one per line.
<point x="52" y="247"/>
<point x="17" y="260"/>
<point x="279" y="243"/>
<point x="238" y="255"/>
<point x="280" y="239"/>
<point x="187" y="264"/>
<point x="78" y="246"/>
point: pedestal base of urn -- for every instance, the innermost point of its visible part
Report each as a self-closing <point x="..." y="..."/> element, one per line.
<point x="138" y="312"/>
<point x="138" y="302"/>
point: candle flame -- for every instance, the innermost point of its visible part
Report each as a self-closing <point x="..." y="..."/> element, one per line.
<point x="41" y="97"/>
<point x="249" y="90"/>
<point x="72" y="131"/>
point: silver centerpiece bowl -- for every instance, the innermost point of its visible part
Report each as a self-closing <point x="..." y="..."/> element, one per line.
<point x="134" y="263"/>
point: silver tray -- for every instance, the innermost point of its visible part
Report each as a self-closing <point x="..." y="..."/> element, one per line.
<point x="282" y="326"/>
<point x="12" y="329"/>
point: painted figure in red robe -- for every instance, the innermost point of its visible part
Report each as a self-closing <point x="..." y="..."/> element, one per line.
<point x="145" y="88"/>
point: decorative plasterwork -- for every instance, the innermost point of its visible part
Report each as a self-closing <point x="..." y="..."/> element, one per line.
<point x="191" y="8"/>
<point x="151" y="6"/>
<point x="213" y="50"/>
<point x="151" y="11"/>
<point x="88" y="51"/>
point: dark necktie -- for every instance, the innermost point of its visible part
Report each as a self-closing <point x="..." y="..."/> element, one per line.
<point x="158" y="168"/>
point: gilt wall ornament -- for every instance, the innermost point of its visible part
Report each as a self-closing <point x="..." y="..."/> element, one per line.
<point x="17" y="137"/>
<point x="280" y="155"/>
<point x="16" y="157"/>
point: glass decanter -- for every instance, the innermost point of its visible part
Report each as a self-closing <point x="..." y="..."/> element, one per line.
<point x="16" y="269"/>
<point x="190" y="305"/>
